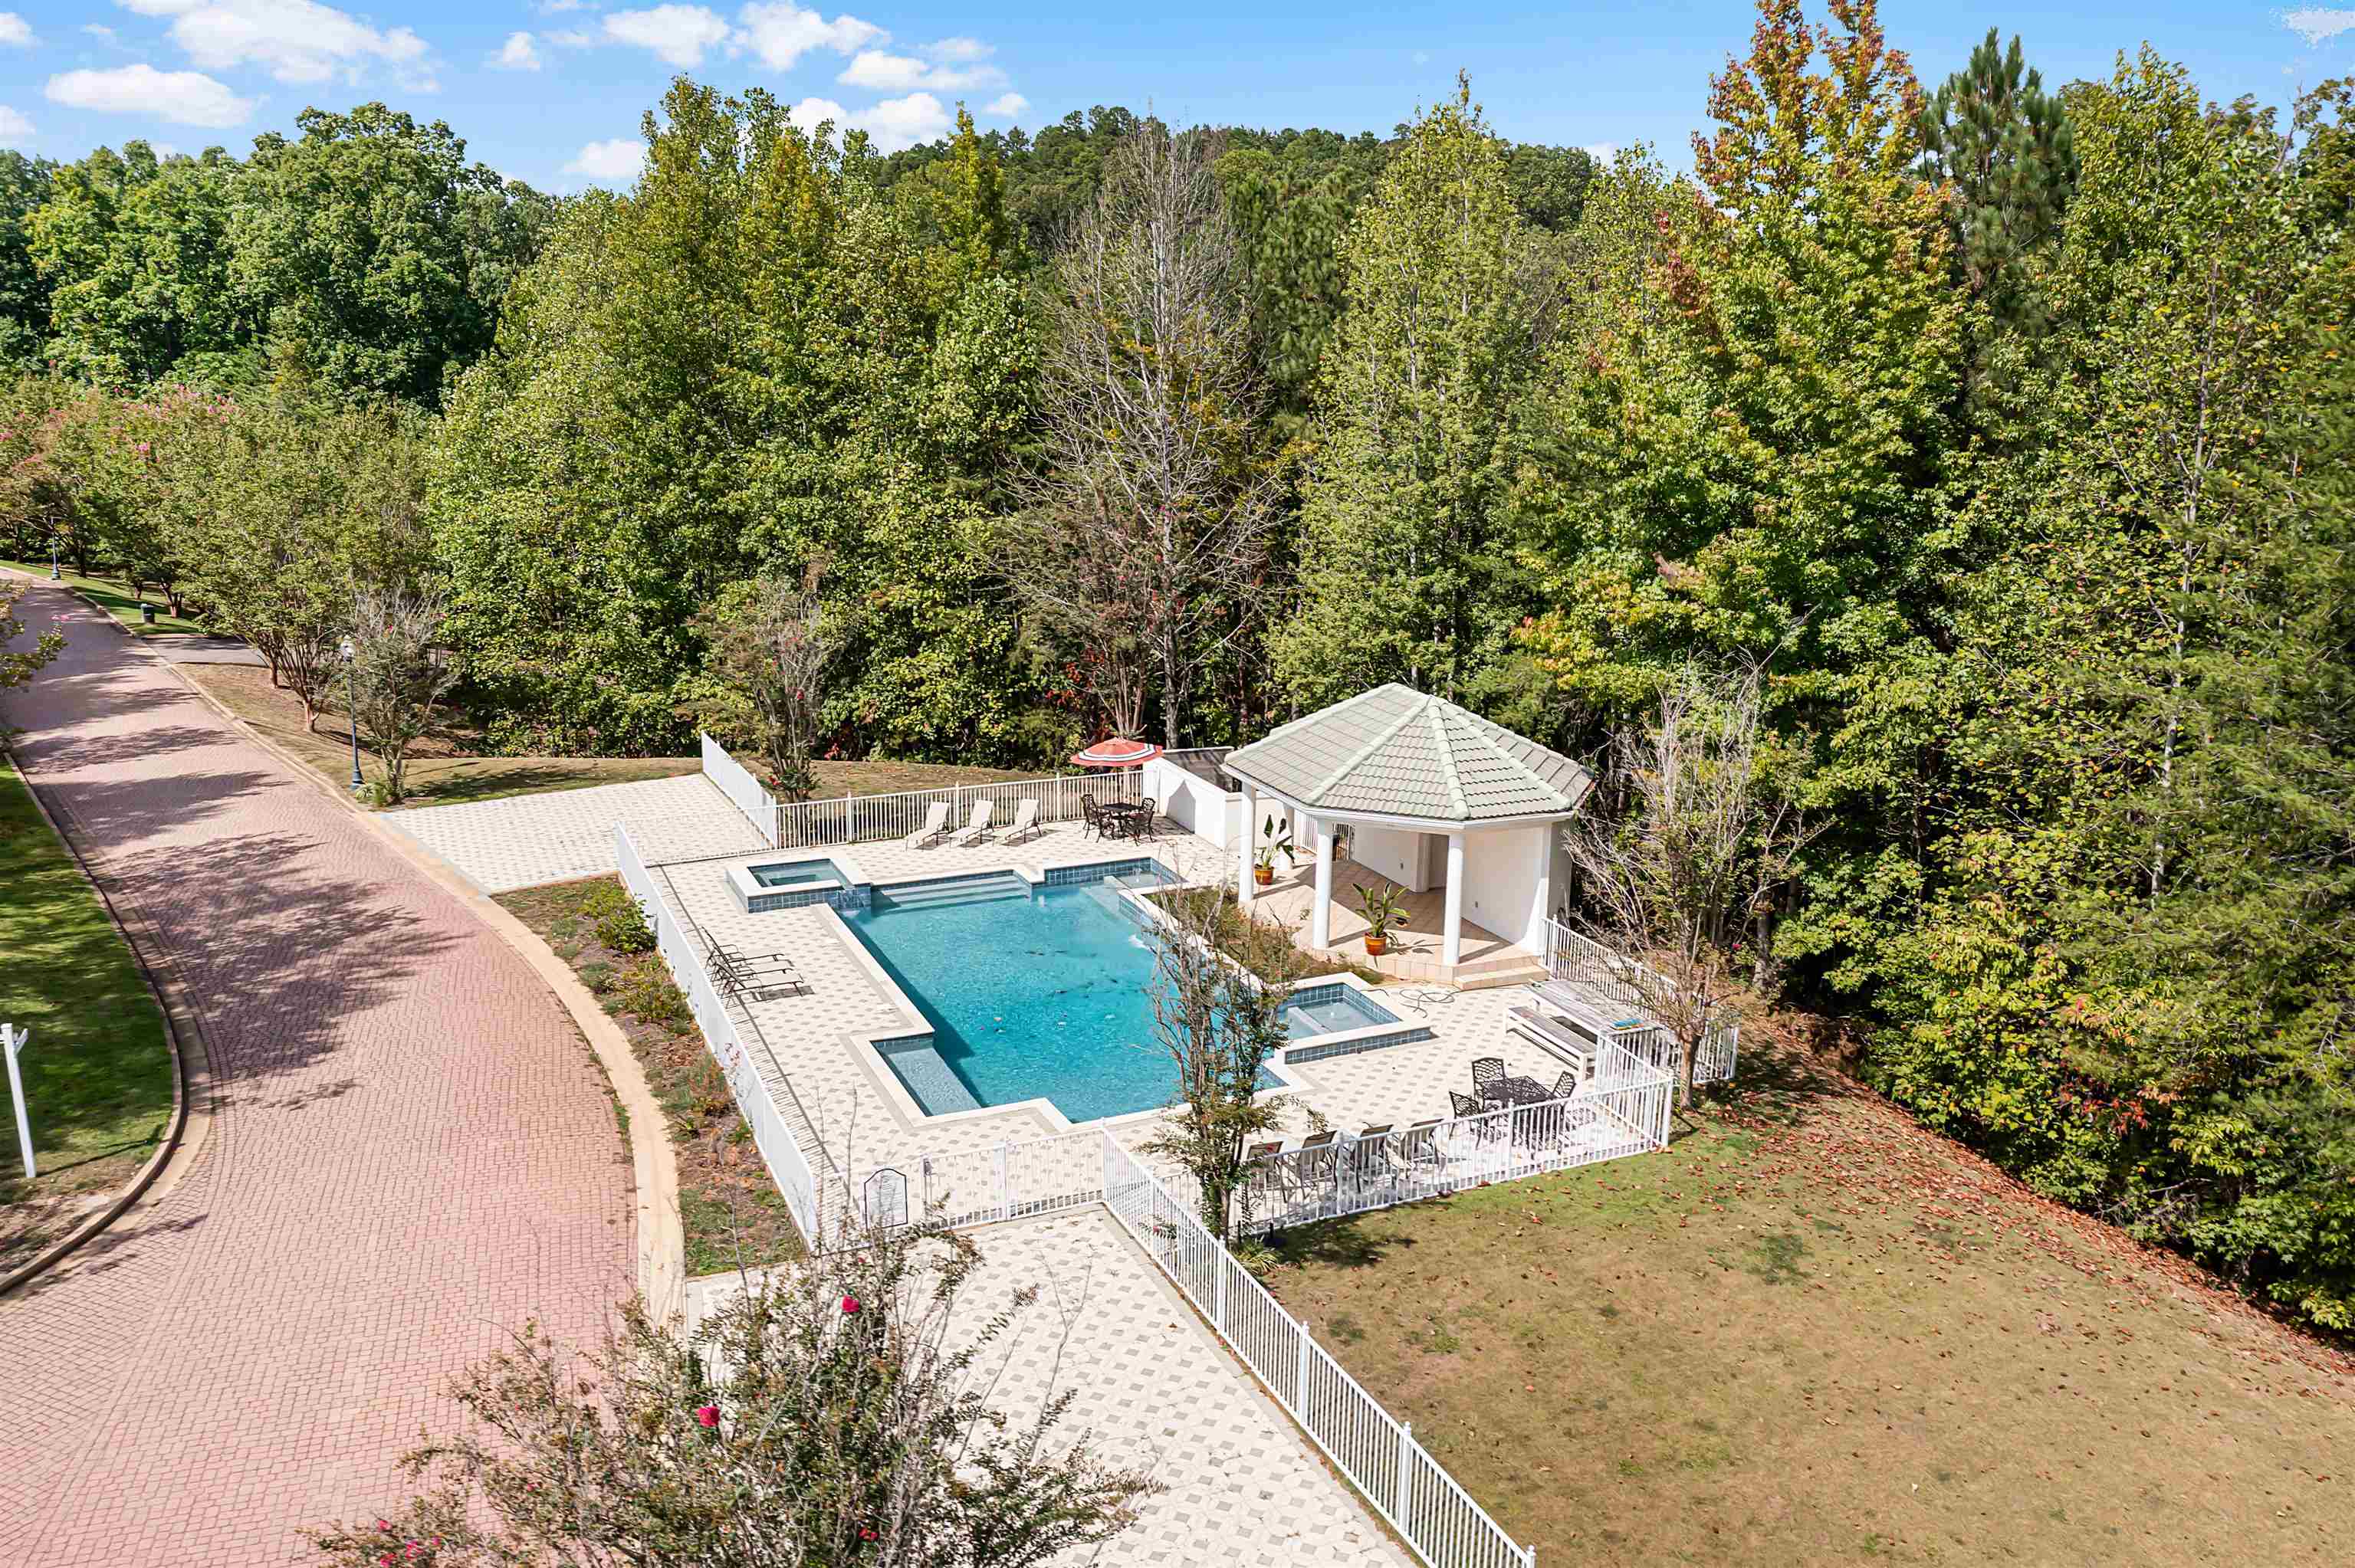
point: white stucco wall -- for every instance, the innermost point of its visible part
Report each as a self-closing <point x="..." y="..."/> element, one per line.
<point x="1502" y="869"/>
<point x="1200" y="807"/>
<point x="1394" y="853"/>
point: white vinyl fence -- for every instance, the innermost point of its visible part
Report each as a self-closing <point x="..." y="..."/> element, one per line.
<point x="1622" y="1110"/>
<point x="1605" y="975"/>
<point x="776" y="1141"/>
<point x="981" y="1186"/>
<point x="1375" y="1450"/>
<point x="736" y="781"/>
<point x="858" y="818"/>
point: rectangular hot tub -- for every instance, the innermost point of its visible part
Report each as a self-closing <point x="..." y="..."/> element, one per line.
<point x="788" y="882"/>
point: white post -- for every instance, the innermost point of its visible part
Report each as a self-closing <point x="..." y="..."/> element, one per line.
<point x="1320" y="919"/>
<point x="1005" y="1196"/>
<point x="1545" y="886"/>
<point x="1451" y="947"/>
<point x="1300" y="1376"/>
<point x="1405" y="1470"/>
<point x="13" y="1040"/>
<point x="1246" y="842"/>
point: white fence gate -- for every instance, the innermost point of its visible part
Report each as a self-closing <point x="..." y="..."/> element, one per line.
<point x="983" y="1185"/>
<point x="1375" y="1450"/>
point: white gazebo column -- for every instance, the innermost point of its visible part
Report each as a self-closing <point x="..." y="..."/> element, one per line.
<point x="1545" y="892"/>
<point x="1246" y="844"/>
<point x="1451" y="942"/>
<point x="1320" y="921"/>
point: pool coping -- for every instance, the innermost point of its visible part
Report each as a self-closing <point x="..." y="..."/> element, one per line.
<point x="754" y="898"/>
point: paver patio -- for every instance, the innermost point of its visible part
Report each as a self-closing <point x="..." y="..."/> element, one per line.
<point x="412" y="1153"/>
<point x="523" y="841"/>
<point x="1161" y="1394"/>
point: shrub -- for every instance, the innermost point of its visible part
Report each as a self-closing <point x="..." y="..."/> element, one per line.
<point x="645" y="988"/>
<point x="620" y="924"/>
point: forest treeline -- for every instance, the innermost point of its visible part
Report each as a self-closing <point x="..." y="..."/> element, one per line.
<point x="2000" y="431"/>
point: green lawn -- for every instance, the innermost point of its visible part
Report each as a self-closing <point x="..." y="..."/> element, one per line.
<point x="113" y="596"/>
<point x="98" y="1074"/>
<point x="1812" y="1333"/>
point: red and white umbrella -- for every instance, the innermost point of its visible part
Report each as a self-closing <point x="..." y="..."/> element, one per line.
<point x="1117" y="753"/>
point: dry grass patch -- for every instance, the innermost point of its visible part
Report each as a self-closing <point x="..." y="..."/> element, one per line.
<point x="1812" y="1333"/>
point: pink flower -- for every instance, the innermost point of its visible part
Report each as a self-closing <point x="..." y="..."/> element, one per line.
<point x="709" y="1414"/>
<point x="850" y="1306"/>
<point x="384" y="1524"/>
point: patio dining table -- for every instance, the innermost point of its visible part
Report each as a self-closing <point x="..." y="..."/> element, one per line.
<point x="1120" y="817"/>
<point x="1516" y="1092"/>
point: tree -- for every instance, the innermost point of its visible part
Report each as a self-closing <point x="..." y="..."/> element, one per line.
<point x="1669" y="885"/>
<point x="2005" y="146"/>
<point x="18" y="665"/>
<point x="1221" y="1027"/>
<point x="838" y="1411"/>
<point x="1406" y="564"/>
<point x="400" y="674"/>
<point x="23" y="291"/>
<point x="375" y="253"/>
<point x="770" y="648"/>
<point x="1151" y="513"/>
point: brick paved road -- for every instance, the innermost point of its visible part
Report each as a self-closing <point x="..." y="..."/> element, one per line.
<point x="412" y="1152"/>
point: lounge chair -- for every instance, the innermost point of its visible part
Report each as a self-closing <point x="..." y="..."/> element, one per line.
<point x="1025" y="820"/>
<point x="937" y="824"/>
<point x="976" y="827"/>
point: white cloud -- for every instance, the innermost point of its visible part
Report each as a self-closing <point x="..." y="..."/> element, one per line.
<point x="14" y="129"/>
<point x="812" y="112"/>
<point x="15" y="30"/>
<point x="781" y="33"/>
<point x="960" y="50"/>
<point x="613" y="163"/>
<point x="295" y="40"/>
<point x="678" y="35"/>
<point x="182" y="97"/>
<point x="574" y="39"/>
<point x="898" y="74"/>
<point x="2318" y="24"/>
<point x="558" y="7"/>
<point x="894" y="124"/>
<point x="1009" y="104"/>
<point x="517" y="53"/>
<point x="99" y="30"/>
<point x="898" y="123"/>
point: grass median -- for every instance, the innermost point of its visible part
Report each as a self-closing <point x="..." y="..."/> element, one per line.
<point x="98" y="1072"/>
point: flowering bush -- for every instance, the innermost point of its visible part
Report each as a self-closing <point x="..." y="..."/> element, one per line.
<point x="846" y="1423"/>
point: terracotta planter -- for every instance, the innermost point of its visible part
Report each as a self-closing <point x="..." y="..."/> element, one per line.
<point x="1377" y="945"/>
<point x="1263" y="874"/>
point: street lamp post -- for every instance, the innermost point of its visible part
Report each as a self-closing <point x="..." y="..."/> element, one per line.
<point x="53" y="557"/>
<point x="352" y="709"/>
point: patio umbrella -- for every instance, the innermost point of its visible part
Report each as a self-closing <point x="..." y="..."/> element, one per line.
<point x="1117" y="753"/>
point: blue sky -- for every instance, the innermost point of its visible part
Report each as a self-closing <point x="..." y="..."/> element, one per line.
<point x="550" y="90"/>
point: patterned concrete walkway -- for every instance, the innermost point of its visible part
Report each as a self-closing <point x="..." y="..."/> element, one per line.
<point x="412" y="1153"/>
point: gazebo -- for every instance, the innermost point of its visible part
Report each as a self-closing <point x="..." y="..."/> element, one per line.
<point x="1435" y="797"/>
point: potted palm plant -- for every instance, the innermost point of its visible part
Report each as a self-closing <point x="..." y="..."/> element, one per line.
<point x="1275" y="838"/>
<point x="1384" y="914"/>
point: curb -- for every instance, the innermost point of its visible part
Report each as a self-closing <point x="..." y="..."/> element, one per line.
<point x="191" y="1064"/>
<point x="661" y="1234"/>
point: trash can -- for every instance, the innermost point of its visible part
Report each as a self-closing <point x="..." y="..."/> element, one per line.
<point x="148" y="612"/>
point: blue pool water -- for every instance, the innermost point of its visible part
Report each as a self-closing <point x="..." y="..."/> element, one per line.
<point x="1031" y="994"/>
<point x="795" y="871"/>
<point x="1328" y="1010"/>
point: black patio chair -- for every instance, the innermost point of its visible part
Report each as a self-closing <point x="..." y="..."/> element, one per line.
<point x="1565" y="1085"/>
<point x="1488" y="1077"/>
<point x="1091" y="816"/>
<point x="1142" y="822"/>
<point x="1464" y="1105"/>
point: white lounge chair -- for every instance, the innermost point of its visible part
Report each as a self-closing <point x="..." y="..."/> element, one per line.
<point x="976" y="827"/>
<point x="1025" y="822"/>
<point x="936" y="822"/>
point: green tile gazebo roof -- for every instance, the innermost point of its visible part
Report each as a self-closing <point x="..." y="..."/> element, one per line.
<point x="1397" y="752"/>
